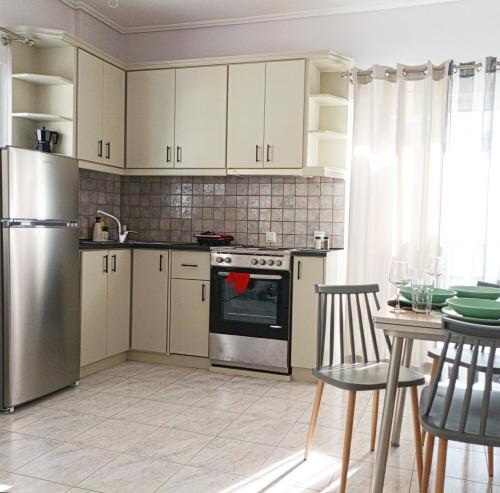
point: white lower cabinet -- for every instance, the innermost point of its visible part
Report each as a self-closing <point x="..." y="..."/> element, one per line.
<point x="150" y="300"/>
<point x="105" y="304"/>
<point x="189" y="319"/>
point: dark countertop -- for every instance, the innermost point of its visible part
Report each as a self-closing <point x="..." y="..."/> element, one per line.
<point x="154" y="245"/>
<point x="159" y="245"/>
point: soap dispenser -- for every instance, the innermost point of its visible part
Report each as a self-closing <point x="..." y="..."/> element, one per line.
<point x="97" y="231"/>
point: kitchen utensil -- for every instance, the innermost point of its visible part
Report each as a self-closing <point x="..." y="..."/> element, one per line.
<point x="45" y="138"/>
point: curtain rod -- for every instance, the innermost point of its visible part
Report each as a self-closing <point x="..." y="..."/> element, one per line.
<point x="409" y="70"/>
<point x="10" y="36"/>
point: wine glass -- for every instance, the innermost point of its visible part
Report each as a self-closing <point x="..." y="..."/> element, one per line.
<point x="434" y="269"/>
<point x="399" y="276"/>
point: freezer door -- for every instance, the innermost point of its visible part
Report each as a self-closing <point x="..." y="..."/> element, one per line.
<point x="41" y="313"/>
<point x="38" y="185"/>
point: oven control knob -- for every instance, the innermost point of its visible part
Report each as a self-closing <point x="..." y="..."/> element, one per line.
<point x="219" y="260"/>
<point x="270" y="262"/>
<point x="262" y="261"/>
<point x="254" y="261"/>
<point x="227" y="260"/>
<point x="278" y="263"/>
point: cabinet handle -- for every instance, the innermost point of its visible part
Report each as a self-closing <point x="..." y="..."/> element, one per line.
<point x="169" y="154"/>
<point x="113" y="263"/>
<point x="189" y="265"/>
<point x="257" y="147"/>
<point x="179" y="154"/>
<point x="161" y="263"/>
<point x="203" y="292"/>
<point x="99" y="148"/>
<point x="108" y="150"/>
<point x="105" y="264"/>
<point x="299" y="265"/>
<point x="268" y="153"/>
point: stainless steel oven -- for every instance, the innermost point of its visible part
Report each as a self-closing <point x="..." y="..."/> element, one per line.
<point x="250" y="309"/>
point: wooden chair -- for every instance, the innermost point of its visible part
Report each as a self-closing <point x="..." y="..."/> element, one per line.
<point x="466" y="357"/>
<point x="469" y="415"/>
<point x="342" y="360"/>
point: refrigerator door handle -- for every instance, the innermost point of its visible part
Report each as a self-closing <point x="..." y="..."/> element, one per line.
<point x="36" y="223"/>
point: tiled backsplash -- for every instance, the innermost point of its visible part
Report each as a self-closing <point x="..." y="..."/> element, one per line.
<point x="165" y="208"/>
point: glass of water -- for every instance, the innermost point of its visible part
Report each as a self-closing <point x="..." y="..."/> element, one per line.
<point x="421" y="294"/>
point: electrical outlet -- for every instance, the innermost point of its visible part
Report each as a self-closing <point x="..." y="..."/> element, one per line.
<point x="270" y="237"/>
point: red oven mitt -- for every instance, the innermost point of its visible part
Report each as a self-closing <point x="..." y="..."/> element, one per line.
<point x="240" y="281"/>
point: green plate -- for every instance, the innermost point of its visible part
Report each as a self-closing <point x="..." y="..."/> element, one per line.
<point x="435" y="306"/>
<point x="482" y="292"/>
<point x="439" y="295"/>
<point x="475" y="307"/>
<point x="449" y="312"/>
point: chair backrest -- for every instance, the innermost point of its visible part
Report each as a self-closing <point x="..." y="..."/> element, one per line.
<point x="476" y="336"/>
<point x="337" y="324"/>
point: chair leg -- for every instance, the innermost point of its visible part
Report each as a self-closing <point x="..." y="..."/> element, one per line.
<point x="441" y="465"/>
<point x="347" y="440"/>
<point x="314" y="418"/>
<point x="376" y="396"/>
<point x="490" y="462"/>
<point x="434" y="366"/>
<point x="429" y="450"/>
<point x="416" y="432"/>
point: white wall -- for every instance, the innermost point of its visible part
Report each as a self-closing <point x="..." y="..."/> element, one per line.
<point x="462" y="30"/>
<point x="56" y="15"/>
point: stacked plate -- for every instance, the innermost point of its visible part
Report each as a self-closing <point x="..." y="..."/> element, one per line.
<point x="439" y="297"/>
<point x="474" y="304"/>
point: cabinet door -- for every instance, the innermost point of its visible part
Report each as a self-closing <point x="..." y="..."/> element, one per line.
<point x="118" y="326"/>
<point x="245" y="115"/>
<point x="200" y="117"/>
<point x="93" y="293"/>
<point x="150" y="119"/>
<point x="189" y="319"/>
<point x="284" y="122"/>
<point x="149" y="300"/>
<point x="113" y="117"/>
<point x="307" y="271"/>
<point x="89" y="109"/>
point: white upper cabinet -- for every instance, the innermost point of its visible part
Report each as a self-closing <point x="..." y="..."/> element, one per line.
<point x="284" y="114"/>
<point x="245" y="119"/>
<point x="200" y="117"/>
<point x="89" y="109"/>
<point x="150" y="118"/>
<point x="113" y="115"/>
<point x="100" y="111"/>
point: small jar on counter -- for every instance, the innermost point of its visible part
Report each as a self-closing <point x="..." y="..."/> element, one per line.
<point x="318" y="242"/>
<point x="326" y="243"/>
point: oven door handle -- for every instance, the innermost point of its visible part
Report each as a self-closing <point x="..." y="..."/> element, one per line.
<point x="268" y="277"/>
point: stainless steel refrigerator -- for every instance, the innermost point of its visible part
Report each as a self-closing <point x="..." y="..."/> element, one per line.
<point x="40" y="279"/>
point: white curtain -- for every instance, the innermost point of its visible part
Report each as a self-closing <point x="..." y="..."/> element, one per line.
<point x="396" y="172"/>
<point x="470" y="231"/>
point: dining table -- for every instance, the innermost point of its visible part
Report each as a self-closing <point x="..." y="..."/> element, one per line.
<point x="404" y="328"/>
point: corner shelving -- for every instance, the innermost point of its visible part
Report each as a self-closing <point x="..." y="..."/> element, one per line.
<point x="43" y="79"/>
<point x="328" y="100"/>
<point x="42" y="117"/>
<point x="327" y="134"/>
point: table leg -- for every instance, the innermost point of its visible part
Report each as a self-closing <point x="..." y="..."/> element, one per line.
<point x="387" y="416"/>
<point x="400" y="407"/>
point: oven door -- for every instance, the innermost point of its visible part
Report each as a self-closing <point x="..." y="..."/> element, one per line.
<point x="261" y="311"/>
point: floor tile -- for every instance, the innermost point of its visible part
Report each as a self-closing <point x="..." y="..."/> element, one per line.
<point x="232" y="456"/>
<point x="257" y="429"/>
<point x="128" y="369"/>
<point x="177" y="394"/>
<point x="199" y="420"/>
<point x="454" y="485"/>
<point x="204" y="379"/>
<point x="296" y="391"/>
<point x="61" y="425"/>
<point x="248" y="385"/>
<point x="140" y="389"/>
<point x="165" y="374"/>
<point x="23" y="416"/>
<point x="99" y="382"/>
<point x="130" y="474"/>
<point x="157" y="413"/>
<point x="171" y="445"/>
<point x="17" y="449"/>
<point x="15" y="483"/>
<point x="68" y="464"/>
<point x="282" y="408"/>
<point x="114" y="434"/>
<point x="233" y="402"/>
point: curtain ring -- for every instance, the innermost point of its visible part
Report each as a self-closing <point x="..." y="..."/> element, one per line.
<point x="479" y="67"/>
<point x="404" y="72"/>
<point x="387" y="74"/>
<point x="371" y="74"/>
<point x="426" y="72"/>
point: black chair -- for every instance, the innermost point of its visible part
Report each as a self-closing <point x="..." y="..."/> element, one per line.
<point x="349" y="358"/>
<point x="468" y="415"/>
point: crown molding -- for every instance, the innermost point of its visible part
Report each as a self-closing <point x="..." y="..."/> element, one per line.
<point x="383" y="5"/>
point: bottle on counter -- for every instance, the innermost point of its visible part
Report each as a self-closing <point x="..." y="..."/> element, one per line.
<point x="318" y="242"/>
<point x="97" y="231"/>
<point x="326" y="243"/>
<point x="105" y="233"/>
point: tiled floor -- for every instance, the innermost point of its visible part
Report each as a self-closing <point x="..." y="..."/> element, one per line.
<point x="150" y="428"/>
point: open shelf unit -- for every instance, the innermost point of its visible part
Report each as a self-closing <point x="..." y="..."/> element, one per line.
<point x="327" y="120"/>
<point x="43" y="93"/>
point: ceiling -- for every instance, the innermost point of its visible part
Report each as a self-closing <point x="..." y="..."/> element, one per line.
<point x="132" y="16"/>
